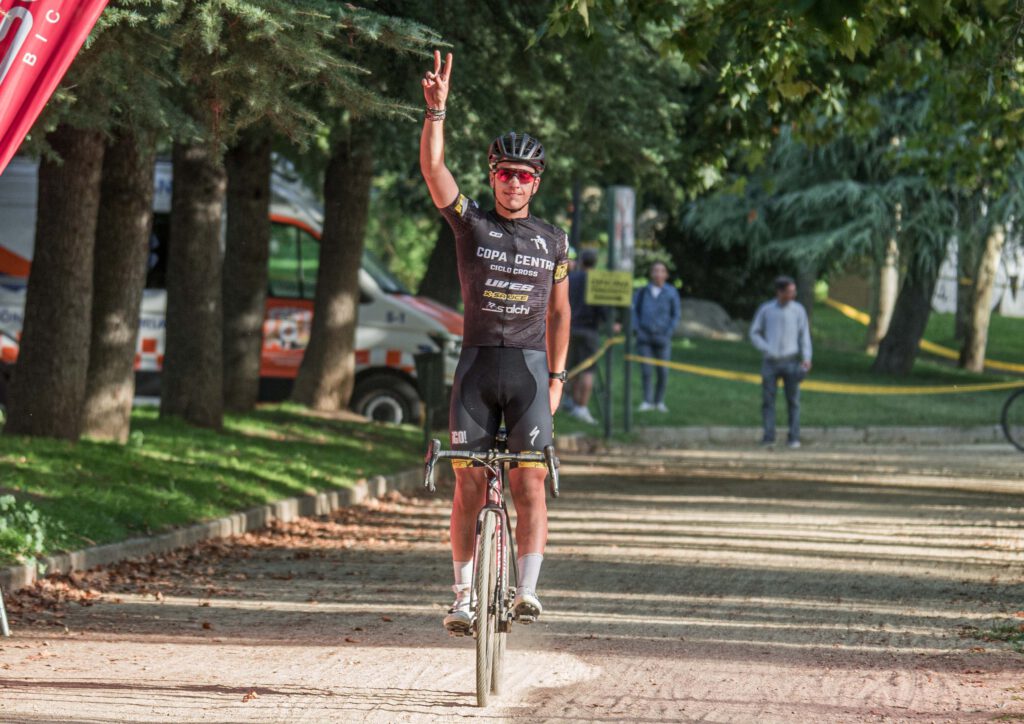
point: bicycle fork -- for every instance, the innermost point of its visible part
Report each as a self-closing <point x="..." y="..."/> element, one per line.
<point x="502" y="594"/>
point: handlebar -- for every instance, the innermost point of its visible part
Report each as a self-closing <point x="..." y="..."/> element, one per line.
<point x="493" y="457"/>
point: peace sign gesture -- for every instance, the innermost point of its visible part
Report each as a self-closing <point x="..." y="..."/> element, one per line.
<point x="435" y="83"/>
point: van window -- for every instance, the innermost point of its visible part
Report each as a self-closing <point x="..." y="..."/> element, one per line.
<point x="283" y="271"/>
<point x="156" y="263"/>
<point x="309" y="262"/>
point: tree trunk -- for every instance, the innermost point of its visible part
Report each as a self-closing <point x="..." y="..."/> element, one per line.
<point x="806" y="278"/>
<point x="898" y="349"/>
<point x="192" y="382"/>
<point x="441" y="280"/>
<point x="50" y="376"/>
<point x="327" y="373"/>
<point x="965" y="268"/>
<point x="972" y="354"/>
<point x="245" y="268"/>
<point x="119" y="275"/>
<point x="887" y="284"/>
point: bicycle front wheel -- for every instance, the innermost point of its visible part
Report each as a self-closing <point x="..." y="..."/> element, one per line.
<point x="1013" y="420"/>
<point x="501" y="608"/>
<point x="483" y="590"/>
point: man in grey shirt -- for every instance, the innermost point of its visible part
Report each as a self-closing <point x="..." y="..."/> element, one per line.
<point x="781" y="332"/>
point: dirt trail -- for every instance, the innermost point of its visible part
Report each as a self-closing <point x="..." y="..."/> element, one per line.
<point x="707" y="585"/>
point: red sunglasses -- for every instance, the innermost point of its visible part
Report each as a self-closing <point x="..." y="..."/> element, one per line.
<point x="505" y="175"/>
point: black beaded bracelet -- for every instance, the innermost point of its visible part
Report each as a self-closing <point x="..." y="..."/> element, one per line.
<point x="435" y="114"/>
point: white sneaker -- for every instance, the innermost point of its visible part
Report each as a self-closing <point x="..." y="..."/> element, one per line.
<point x="526" y="606"/>
<point x="459" y="621"/>
<point x="660" y="407"/>
<point x="793" y="444"/>
<point x="645" y="407"/>
<point x="583" y="415"/>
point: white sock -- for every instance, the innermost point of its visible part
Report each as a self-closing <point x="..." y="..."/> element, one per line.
<point x="529" y="571"/>
<point x="463" y="573"/>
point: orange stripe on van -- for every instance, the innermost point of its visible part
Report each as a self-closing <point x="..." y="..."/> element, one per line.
<point x="393" y="358"/>
<point x="12" y="264"/>
<point x="362" y="356"/>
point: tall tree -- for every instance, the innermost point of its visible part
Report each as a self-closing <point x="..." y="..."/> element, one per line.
<point x="119" y="274"/>
<point x="327" y="374"/>
<point x="193" y="375"/>
<point x="972" y="354"/>
<point x="49" y="381"/>
<point x="246" y="253"/>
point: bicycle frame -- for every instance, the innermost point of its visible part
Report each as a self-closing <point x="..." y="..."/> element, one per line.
<point x="503" y="537"/>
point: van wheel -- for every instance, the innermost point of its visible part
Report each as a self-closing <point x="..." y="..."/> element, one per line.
<point x="386" y="398"/>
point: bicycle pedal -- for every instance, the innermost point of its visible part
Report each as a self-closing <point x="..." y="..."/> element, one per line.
<point x="526" y="618"/>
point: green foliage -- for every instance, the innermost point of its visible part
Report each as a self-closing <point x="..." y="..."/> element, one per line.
<point x="24" y="533"/>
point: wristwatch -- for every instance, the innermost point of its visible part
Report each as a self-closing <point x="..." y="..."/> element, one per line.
<point x="563" y="375"/>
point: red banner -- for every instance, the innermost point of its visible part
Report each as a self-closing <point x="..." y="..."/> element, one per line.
<point x="38" y="41"/>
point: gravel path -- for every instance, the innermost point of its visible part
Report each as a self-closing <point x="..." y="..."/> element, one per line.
<point x="704" y="585"/>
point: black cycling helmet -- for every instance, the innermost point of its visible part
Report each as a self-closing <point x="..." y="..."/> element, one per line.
<point x="519" y="147"/>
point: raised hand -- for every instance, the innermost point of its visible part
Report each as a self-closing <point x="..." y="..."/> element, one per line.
<point x="435" y="82"/>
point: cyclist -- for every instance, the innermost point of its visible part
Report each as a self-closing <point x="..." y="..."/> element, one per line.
<point x="512" y="269"/>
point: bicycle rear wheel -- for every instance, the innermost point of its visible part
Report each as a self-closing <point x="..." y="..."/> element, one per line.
<point x="1013" y="420"/>
<point x="483" y="589"/>
<point x="501" y="637"/>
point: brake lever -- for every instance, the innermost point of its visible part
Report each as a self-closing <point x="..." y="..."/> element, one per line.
<point x="428" y="478"/>
<point x="552" y="462"/>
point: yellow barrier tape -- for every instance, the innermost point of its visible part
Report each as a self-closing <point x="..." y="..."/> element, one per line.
<point x="608" y="344"/>
<point x="937" y="349"/>
<point x="834" y="387"/>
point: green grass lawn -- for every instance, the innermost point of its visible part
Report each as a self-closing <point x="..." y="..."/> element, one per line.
<point x="172" y="474"/>
<point x="838" y="357"/>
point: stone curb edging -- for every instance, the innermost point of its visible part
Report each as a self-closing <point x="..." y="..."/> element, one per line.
<point x="13" y="578"/>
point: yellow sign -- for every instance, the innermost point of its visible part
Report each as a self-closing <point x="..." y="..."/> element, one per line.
<point x="609" y="288"/>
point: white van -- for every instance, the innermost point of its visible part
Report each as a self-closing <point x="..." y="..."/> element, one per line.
<point x="393" y="326"/>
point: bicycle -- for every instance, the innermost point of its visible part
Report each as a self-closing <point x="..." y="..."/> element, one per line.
<point x="1012" y="419"/>
<point x="491" y="596"/>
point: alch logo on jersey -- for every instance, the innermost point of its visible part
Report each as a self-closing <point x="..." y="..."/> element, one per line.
<point x="539" y="242"/>
<point x="459" y="437"/>
<point x="506" y="308"/>
<point x="533" y="435"/>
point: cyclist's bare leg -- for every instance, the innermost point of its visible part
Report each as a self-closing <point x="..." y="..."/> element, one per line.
<point x="530" y="498"/>
<point x="470" y="497"/>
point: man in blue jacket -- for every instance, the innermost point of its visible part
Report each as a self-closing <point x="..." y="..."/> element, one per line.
<point x="656" y="312"/>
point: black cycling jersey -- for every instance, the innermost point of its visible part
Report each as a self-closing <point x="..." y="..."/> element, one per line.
<point x="506" y="268"/>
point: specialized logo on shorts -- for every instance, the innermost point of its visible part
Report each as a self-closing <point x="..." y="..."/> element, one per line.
<point x="495" y="234"/>
<point x="539" y="242"/>
<point x="533" y="435"/>
<point x="561" y="271"/>
<point x="459" y="437"/>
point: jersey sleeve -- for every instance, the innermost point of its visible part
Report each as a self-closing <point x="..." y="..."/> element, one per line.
<point x="462" y="213"/>
<point x="562" y="259"/>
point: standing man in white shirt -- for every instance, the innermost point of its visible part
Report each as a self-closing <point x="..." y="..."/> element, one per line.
<point x="781" y="332"/>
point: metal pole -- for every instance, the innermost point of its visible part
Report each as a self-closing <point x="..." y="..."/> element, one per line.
<point x="609" y="358"/>
<point x="4" y="628"/>
<point x="627" y="373"/>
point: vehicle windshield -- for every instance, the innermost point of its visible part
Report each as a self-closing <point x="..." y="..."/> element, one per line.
<point x="376" y="269"/>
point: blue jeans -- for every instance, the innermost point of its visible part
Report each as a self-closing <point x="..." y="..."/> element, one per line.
<point x="791" y="372"/>
<point x="658" y="349"/>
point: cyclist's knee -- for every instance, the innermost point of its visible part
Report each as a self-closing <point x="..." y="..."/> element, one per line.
<point x="470" y="486"/>
<point x="527" y="485"/>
